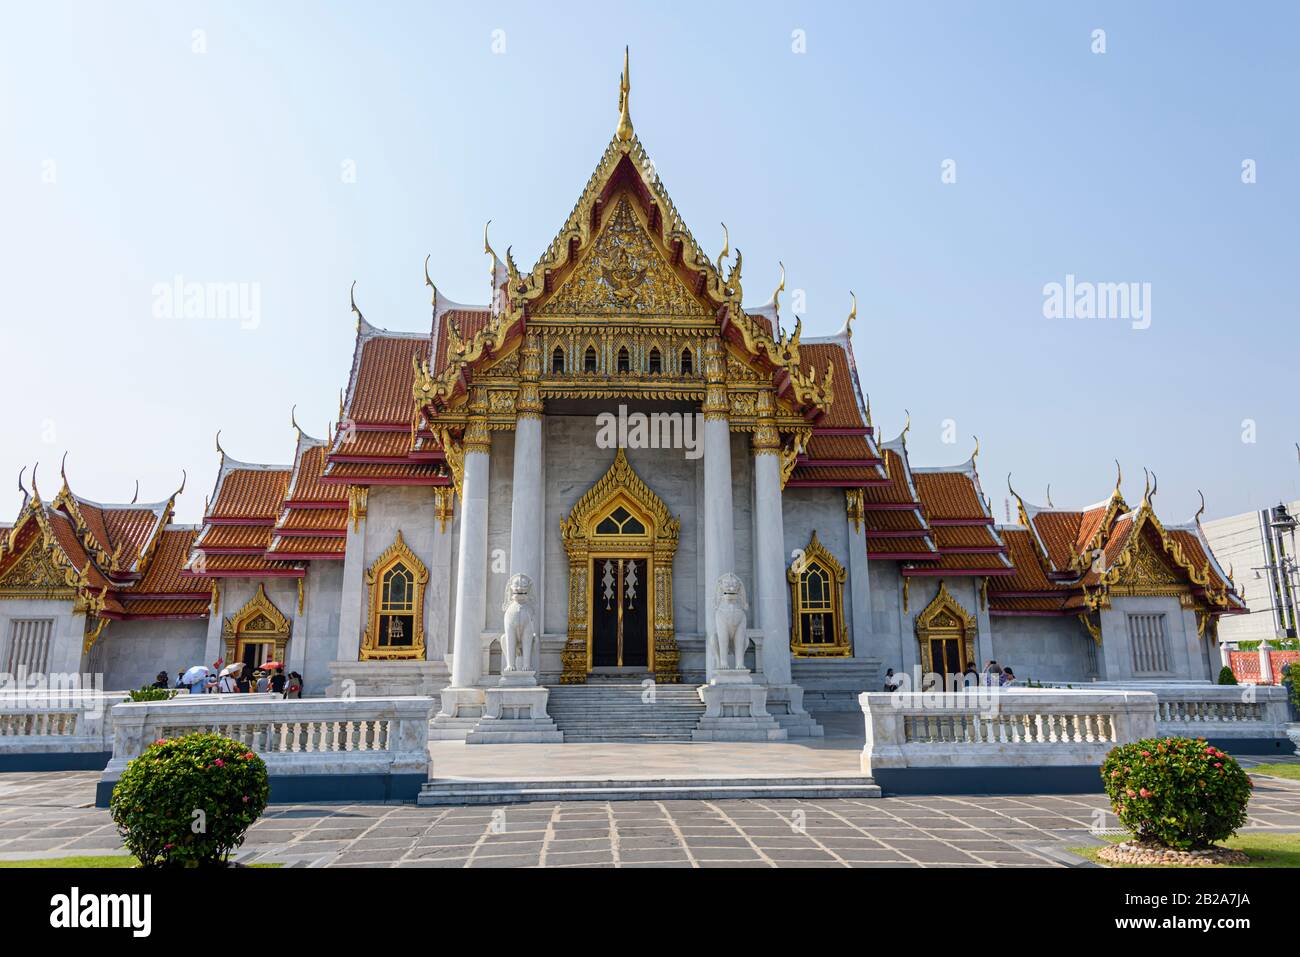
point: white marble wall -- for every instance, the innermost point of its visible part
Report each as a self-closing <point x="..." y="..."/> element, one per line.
<point x="1043" y="649"/>
<point x="67" y="635"/>
<point x="131" y="653"/>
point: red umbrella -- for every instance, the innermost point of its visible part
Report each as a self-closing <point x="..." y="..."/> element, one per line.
<point x="270" y="665"/>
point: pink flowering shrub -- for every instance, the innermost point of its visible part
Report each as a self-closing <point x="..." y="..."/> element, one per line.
<point x="186" y="802"/>
<point x="1176" y="792"/>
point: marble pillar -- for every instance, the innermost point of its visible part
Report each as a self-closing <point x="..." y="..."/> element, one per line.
<point x="719" y="536"/>
<point x="769" y="565"/>
<point x="354" y="598"/>
<point x="471" y="597"/>
<point x="526" y="503"/>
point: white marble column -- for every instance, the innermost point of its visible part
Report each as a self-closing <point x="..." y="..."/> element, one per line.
<point x="526" y="502"/>
<point x="471" y="567"/>
<point x="769" y="565"/>
<point x="353" y="603"/>
<point x="719" y="532"/>
<point x="859" y="576"/>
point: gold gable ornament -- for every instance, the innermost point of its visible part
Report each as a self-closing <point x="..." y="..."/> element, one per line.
<point x="258" y="622"/>
<point x="944" y="625"/>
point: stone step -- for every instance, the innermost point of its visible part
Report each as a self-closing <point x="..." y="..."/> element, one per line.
<point x="445" y="792"/>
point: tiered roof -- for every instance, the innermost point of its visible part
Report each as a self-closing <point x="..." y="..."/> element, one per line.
<point x="239" y="523"/>
<point x="313" y="520"/>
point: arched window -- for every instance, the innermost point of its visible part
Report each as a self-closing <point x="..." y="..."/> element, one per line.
<point x="946" y="634"/>
<point x="656" y="364"/>
<point x="620" y="522"/>
<point x="817" y="604"/>
<point x="589" y="359"/>
<point x="688" y="362"/>
<point x="396" y="626"/>
<point x="624" y="361"/>
<point x="557" y="360"/>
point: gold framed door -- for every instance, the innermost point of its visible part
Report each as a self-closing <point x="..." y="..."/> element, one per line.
<point x="619" y="608"/>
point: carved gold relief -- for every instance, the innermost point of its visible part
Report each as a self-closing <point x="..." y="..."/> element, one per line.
<point x="258" y="622"/>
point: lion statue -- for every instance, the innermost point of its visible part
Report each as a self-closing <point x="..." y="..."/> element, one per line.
<point x="519" y="642"/>
<point x="729" y="622"/>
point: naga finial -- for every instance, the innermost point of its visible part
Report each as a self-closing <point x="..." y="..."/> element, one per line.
<point x="726" y="250"/>
<point x="624" y="131"/>
<point x="1155" y="484"/>
<point x="1200" y="511"/>
<point x="776" y="296"/>
<point x="352" y="299"/>
<point x="185" y="476"/>
<point x="907" y="425"/>
<point x="63" y="473"/>
<point x="21" y="473"/>
<point x="135" y="496"/>
<point x="433" y="299"/>
<point x="974" y="455"/>
<point x="867" y="397"/>
<point x="293" y="419"/>
<point x="36" y="492"/>
<point x="1119" y="477"/>
<point x="219" y="448"/>
<point x="1012" y="490"/>
<point x="853" y="314"/>
<point x="1049" y="495"/>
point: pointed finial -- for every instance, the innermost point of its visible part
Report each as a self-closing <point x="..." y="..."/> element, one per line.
<point x="63" y="465"/>
<point x="624" y="96"/>
<point x="352" y="299"/>
<point x="293" y="419"/>
<point x="36" y="492"/>
<point x="21" y="473"/>
<point x="433" y="300"/>
<point x="906" y="426"/>
<point x="726" y="250"/>
<point x="1200" y="511"/>
<point x="185" y="476"/>
<point x="868" y="399"/>
<point x="1146" y="485"/>
<point x="1119" y="477"/>
<point x="135" y="496"/>
<point x="1049" y="496"/>
<point x="219" y="448"/>
<point x="1155" y="484"/>
<point x="853" y="314"/>
<point x="1012" y="490"/>
<point x="974" y="455"/>
<point x="776" y="296"/>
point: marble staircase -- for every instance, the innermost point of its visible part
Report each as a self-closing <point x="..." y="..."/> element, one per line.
<point x="623" y="711"/>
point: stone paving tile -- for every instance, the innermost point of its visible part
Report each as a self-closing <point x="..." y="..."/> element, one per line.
<point x="49" y="813"/>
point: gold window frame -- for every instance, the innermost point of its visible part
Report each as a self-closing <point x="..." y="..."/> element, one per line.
<point x="397" y="553"/>
<point x="258" y="622"/>
<point x="816" y="555"/>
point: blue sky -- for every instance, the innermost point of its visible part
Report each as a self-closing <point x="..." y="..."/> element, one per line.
<point x="226" y="166"/>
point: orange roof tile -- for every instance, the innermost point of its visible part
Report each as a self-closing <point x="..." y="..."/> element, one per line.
<point x="469" y="323"/>
<point x="250" y="492"/>
<point x="314" y="519"/>
<point x="214" y="537"/>
<point x="844" y="412"/>
<point x="164" y="574"/>
<point x="949" y="495"/>
<point x="381" y="389"/>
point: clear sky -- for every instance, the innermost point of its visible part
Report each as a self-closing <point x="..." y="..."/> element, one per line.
<point x="135" y="151"/>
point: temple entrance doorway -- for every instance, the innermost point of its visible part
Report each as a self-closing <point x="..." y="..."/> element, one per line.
<point x="620" y="620"/>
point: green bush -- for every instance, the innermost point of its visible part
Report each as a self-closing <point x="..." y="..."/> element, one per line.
<point x="1176" y="792"/>
<point x="186" y="802"/>
<point x="1226" y="677"/>
<point x="1292" y="681"/>
<point x="152" y="694"/>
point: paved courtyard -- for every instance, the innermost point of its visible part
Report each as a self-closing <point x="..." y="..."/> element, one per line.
<point x="51" y="815"/>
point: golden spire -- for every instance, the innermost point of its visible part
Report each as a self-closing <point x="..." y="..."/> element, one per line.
<point x="624" y="89"/>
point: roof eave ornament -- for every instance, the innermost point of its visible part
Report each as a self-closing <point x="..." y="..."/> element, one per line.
<point x="780" y="288"/>
<point x="975" y="454"/>
<point x="1200" y="511"/>
<point x="433" y="296"/>
<point x="1049" y="494"/>
<point x="624" y="131"/>
<point x="352" y="300"/>
<point x="1119" y="478"/>
<point x="847" y="331"/>
<point x="726" y="251"/>
<point x="135" y="496"/>
<point x="907" y="425"/>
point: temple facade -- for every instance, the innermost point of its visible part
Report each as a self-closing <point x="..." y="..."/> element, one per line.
<point x="624" y="426"/>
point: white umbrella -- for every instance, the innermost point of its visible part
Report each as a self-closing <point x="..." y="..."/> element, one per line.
<point x="194" y="674"/>
<point x="232" y="669"/>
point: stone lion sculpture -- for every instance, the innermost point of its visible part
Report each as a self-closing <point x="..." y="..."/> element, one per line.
<point x="729" y="621"/>
<point x="519" y="642"/>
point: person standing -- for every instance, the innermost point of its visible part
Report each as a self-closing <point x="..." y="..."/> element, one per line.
<point x="294" y="688"/>
<point x="277" y="682"/>
<point x="161" y="681"/>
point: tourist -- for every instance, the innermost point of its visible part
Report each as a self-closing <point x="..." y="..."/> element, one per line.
<point x="210" y="684"/>
<point x="294" y="689"/>
<point x="1007" y="677"/>
<point x="277" y="682"/>
<point x="263" y="683"/>
<point x="161" y="681"/>
<point x="992" y="673"/>
<point x="243" y="681"/>
<point x="891" y="680"/>
<point x="227" y="685"/>
<point x="970" y="676"/>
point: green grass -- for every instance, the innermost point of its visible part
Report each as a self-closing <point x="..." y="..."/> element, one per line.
<point x="1264" y="850"/>
<point x="110" y="860"/>
<point x="1291" y="771"/>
